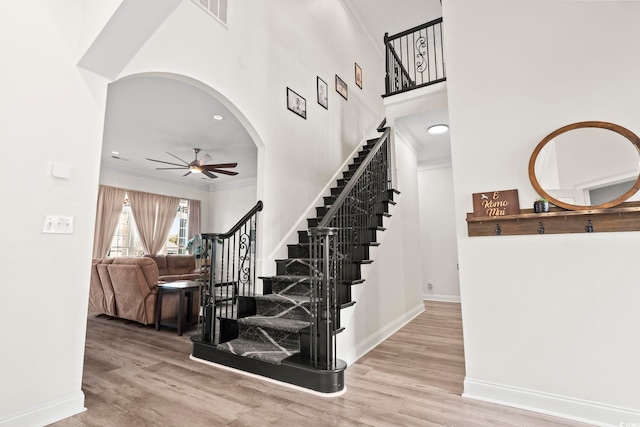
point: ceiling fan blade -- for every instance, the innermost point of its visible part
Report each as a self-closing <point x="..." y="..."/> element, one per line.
<point x="160" y="161"/>
<point x="209" y="174"/>
<point x="220" y="165"/>
<point x="224" y="172"/>
<point x="168" y="169"/>
<point x="173" y="155"/>
<point x="188" y="173"/>
<point x="204" y="160"/>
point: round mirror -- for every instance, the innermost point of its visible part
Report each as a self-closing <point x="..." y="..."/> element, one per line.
<point x="587" y="165"/>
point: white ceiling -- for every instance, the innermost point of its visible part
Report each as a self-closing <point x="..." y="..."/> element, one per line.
<point x="146" y="117"/>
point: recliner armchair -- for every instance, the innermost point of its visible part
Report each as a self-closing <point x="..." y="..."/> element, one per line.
<point x="126" y="287"/>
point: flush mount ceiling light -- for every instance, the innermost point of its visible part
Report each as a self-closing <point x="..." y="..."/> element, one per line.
<point x="218" y="117"/>
<point x="436" y="129"/>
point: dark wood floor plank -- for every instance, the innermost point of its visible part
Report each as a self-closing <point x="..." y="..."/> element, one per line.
<point x="137" y="376"/>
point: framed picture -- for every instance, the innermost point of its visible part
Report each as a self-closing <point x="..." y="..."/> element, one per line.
<point x="296" y="103"/>
<point x="358" y="76"/>
<point x="323" y="93"/>
<point x="341" y="87"/>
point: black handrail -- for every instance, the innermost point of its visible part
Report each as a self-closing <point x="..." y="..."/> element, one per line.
<point x="415" y="58"/>
<point x="354" y="179"/>
<point x="257" y="208"/>
<point x="228" y="272"/>
<point x="395" y="64"/>
<point x="336" y="247"/>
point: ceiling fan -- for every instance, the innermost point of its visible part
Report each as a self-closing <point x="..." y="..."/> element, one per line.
<point x="199" y="166"/>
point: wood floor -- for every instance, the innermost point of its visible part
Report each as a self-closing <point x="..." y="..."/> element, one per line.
<point x="136" y="376"/>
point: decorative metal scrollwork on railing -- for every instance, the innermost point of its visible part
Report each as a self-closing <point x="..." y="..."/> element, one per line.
<point x="338" y="241"/>
<point x="228" y="271"/>
<point x="414" y="57"/>
<point x="421" y="54"/>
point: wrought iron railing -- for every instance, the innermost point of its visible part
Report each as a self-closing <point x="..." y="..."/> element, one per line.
<point x="337" y="242"/>
<point x="414" y="58"/>
<point x="229" y="271"/>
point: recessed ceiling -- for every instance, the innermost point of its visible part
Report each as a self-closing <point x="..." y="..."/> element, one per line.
<point x="148" y="116"/>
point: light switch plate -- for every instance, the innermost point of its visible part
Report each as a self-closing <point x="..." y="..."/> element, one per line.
<point x="58" y="224"/>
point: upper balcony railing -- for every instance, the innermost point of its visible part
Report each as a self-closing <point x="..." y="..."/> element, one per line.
<point x="414" y="58"/>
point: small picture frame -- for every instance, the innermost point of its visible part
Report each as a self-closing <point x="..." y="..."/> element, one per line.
<point x="323" y="93"/>
<point x="358" y="76"/>
<point x="341" y="87"/>
<point x="296" y="103"/>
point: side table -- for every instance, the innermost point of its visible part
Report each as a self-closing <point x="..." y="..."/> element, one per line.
<point x="185" y="289"/>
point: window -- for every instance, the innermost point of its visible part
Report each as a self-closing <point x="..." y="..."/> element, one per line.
<point x="217" y="8"/>
<point x="177" y="238"/>
<point x="126" y="241"/>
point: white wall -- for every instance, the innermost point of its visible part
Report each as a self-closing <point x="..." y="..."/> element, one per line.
<point x="228" y="206"/>
<point x="50" y="111"/>
<point x="549" y="321"/>
<point x="54" y="111"/>
<point x="439" y="251"/>
<point x="268" y="47"/>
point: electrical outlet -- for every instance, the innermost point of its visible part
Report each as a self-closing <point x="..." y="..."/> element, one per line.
<point x="429" y="286"/>
<point x="58" y="224"/>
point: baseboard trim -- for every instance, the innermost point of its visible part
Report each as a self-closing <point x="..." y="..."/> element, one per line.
<point x="48" y="413"/>
<point x="441" y="298"/>
<point x="550" y="404"/>
<point x="369" y="343"/>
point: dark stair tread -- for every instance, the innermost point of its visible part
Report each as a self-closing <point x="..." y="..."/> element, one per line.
<point x="288" y="325"/>
<point x="294" y="279"/>
<point x="319" y="218"/>
<point x="354" y="244"/>
<point x="280" y="298"/>
<point x="347" y="304"/>
<point x="286" y="278"/>
<point x="308" y="260"/>
<point x="266" y="352"/>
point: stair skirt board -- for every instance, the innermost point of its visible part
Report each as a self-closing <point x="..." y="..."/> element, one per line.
<point x="328" y="383"/>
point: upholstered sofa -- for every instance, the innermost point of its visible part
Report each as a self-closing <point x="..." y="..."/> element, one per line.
<point x="172" y="268"/>
<point x="126" y="287"/>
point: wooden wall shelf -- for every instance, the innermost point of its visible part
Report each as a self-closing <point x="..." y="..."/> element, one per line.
<point x="624" y="217"/>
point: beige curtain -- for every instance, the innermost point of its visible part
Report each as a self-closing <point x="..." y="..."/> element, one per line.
<point x="110" y="200"/>
<point x="153" y="215"/>
<point x="194" y="219"/>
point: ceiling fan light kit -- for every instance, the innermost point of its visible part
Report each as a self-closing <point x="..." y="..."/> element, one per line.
<point x="199" y="166"/>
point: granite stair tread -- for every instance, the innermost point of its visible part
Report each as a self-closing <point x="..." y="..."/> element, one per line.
<point x="267" y="352"/>
<point x="283" y="298"/>
<point x="288" y="325"/>
<point x="308" y="260"/>
<point x="287" y="278"/>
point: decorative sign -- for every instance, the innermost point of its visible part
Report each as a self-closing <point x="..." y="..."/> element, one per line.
<point x="496" y="203"/>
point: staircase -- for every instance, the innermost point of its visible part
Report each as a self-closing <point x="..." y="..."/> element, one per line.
<point x="288" y="332"/>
